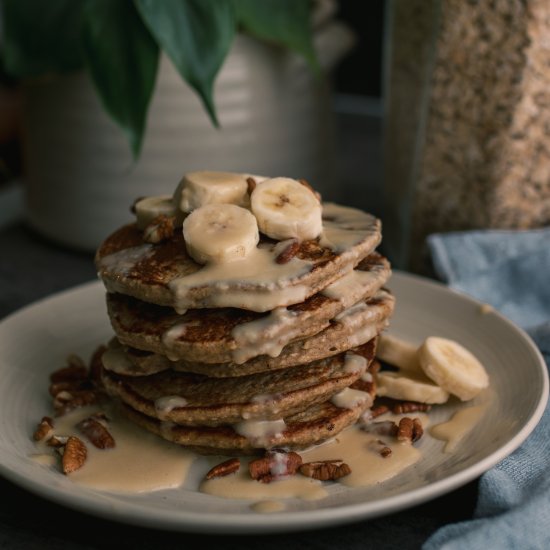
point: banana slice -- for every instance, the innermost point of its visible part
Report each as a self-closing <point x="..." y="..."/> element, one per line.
<point x="409" y="388"/>
<point x="453" y="367"/>
<point x="286" y="209"/>
<point x="216" y="233"/>
<point x="203" y="187"/>
<point x="398" y="352"/>
<point x="148" y="208"/>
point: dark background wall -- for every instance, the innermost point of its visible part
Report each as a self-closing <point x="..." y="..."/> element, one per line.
<point x="360" y="72"/>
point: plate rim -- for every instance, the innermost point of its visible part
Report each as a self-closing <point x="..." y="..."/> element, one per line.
<point x="94" y="502"/>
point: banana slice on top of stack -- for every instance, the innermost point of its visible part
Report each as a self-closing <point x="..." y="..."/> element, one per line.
<point x="226" y="320"/>
<point x="431" y="372"/>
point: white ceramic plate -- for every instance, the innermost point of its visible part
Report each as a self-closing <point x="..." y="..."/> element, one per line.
<point x="36" y="340"/>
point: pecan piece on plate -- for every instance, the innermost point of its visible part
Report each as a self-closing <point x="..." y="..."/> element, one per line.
<point x="325" y="470"/>
<point x="65" y="401"/>
<point x="381" y="448"/>
<point x="225" y="468"/>
<point x="404" y="407"/>
<point x="385" y="451"/>
<point x="409" y="429"/>
<point x="275" y="464"/>
<point x="75" y="370"/>
<point x="44" y="429"/>
<point x="95" y="430"/>
<point x="74" y="455"/>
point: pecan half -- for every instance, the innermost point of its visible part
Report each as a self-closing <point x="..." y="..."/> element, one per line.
<point x="288" y="253"/>
<point x="65" y="401"/>
<point x="325" y="470"/>
<point x="44" y="429"/>
<point x="160" y="229"/>
<point x="74" y="455"/>
<point x="94" y="429"/>
<point x="273" y="465"/>
<point x="70" y="386"/>
<point x="381" y="448"/>
<point x="385" y="451"/>
<point x="404" y="407"/>
<point x="75" y="371"/>
<point x="379" y="410"/>
<point x="409" y="429"/>
<point x="225" y="468"/>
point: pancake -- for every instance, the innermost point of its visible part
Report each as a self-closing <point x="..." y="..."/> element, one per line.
<point x="164" y="274"/>
<point x="191" y="399"/>
<point x="237" y="335"/>
<point x="312" y="426"/>
<point x="353" y="327"/>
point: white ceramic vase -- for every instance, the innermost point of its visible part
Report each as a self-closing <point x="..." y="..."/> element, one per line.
<point x="276" y="119"/>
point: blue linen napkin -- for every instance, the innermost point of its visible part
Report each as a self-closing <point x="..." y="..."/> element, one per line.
<point x="509" y="270"/>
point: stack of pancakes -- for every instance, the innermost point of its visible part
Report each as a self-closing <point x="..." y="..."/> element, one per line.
<point x="273" y="351"/>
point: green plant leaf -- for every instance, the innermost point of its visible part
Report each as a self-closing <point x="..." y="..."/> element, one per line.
<point x="196" y="35"/>
<point x="41" y="37"/>
<point x="122" y="57"/>
<point x="284" y="22"/>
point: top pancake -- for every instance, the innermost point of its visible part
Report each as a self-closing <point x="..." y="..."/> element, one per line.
<point x="164" y="274"/>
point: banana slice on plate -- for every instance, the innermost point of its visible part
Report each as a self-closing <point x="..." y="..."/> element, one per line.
<point x="409" y="387"/>
<point x="216" y="233"/>
<point x="148" y="208"/>
<point x="398" y="352"/>
<point x="453" y="367"/>
<point x="286" y="209"/>
<point x="205" y="187"/>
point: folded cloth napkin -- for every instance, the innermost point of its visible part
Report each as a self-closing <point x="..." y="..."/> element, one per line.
<point x="509" y="270"/>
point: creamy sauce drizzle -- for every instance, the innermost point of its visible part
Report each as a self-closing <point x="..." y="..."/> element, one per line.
<point x="123" y="261"/>
<point x="44" y="459"/>
<point x="260" y="432"/>
<point x="359" y="449"/>
<point x="143" y="462"/>
<point x="257" y="282"/>
<point x="349" y="398"/>
<point x="365" y="334"/>
<point x="166" y="404"/>
<point x="170" y="338"/>
<point x="257" y="269"/>
<point x="354" y="363"/>
<point x="140" y="461"/>
<point x="484" y="309"/>
<point x="349" y="288"/>
<point x="269" y="335"/>
<point x="242" y="486"/>
<point x="354" y="315"/>
<point x="345" y="227"/>
<point x="267" y="506"/>
<point x="265" y="336"/>
<point x="460" y="425"/>
<point x="115" y="360"/>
